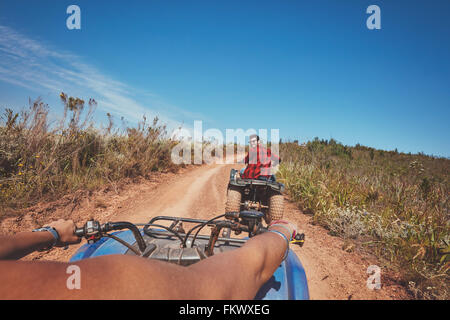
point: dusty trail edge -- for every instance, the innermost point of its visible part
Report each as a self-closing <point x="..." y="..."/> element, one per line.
<point x="200" y="192"/>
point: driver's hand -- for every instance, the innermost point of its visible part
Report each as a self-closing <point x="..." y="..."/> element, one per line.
<point x="66" y="231"/>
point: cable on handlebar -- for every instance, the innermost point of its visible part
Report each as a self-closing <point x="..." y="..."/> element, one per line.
<point x="200" y="228"/>
<point x="122" y="242"/>
<point x="127" y="225"/>
<point x="146" y="230"/>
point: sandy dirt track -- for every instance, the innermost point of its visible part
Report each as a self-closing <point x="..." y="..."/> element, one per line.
<point x="200" y="192"/>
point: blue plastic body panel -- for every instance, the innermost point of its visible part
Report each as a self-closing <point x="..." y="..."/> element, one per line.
<point x="287" y="283"/>
<point x="104" y="246"/>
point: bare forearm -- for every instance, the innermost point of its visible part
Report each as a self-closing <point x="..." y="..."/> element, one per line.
<point x="236" y="274"/>
<point x="107" y="277"/>
<point x="240" y="273"/>
<point x="22" y="244"/>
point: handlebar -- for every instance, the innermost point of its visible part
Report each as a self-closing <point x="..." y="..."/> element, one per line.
<point x="93" y="231"/>
<point x="244" y="221"/>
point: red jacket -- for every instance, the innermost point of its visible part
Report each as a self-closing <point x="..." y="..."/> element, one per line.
<point x="259" y="162"/>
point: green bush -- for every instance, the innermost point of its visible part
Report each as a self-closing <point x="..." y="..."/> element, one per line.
<point x="395" y="204"/>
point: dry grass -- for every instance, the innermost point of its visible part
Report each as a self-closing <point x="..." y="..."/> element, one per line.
<point x="43" y="161"/>
<point x="393" y="204"/>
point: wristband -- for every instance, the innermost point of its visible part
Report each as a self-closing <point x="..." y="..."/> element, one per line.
<point x="286" y="228"/>
<point x="286" y="239"/>
<point x="280" y="223"/>
<point x="54" y="234"/>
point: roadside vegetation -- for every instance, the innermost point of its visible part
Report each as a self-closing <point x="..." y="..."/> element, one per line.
<point x="42" y="160"/>
<point x="393" y="204"/>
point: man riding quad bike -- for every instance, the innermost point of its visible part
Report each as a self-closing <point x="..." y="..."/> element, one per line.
<point x="255" y="187"/>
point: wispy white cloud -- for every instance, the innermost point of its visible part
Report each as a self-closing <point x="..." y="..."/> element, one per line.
<point x="35" y="66"/>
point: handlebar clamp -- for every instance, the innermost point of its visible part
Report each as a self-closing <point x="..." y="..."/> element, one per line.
<point x="91" y="231"/>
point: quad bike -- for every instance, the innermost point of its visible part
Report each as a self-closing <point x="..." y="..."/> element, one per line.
<point x="173" y="244"/>
<point x="253" y="194"/>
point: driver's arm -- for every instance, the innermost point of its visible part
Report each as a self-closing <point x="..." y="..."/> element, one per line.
<point x="23" y="243"/>
<point x="235" y="274"/>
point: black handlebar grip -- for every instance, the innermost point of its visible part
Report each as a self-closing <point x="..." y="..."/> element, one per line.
<point x="79" y="232"/>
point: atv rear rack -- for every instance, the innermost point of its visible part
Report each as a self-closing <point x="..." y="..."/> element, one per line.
<point x="238" y="182"/>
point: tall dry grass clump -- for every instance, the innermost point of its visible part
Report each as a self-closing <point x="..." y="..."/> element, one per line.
<point x="394" y="204"/>
<point x="40" y="160"/>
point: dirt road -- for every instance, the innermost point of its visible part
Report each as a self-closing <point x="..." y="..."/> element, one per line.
<point x="200" y="192"/>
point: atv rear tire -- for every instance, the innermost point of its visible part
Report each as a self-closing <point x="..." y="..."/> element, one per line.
<point x="276" y="208"/>
<point x="234" y="197"/>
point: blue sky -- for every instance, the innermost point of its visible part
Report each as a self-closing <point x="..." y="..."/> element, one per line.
<point x="307" y="68"/>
